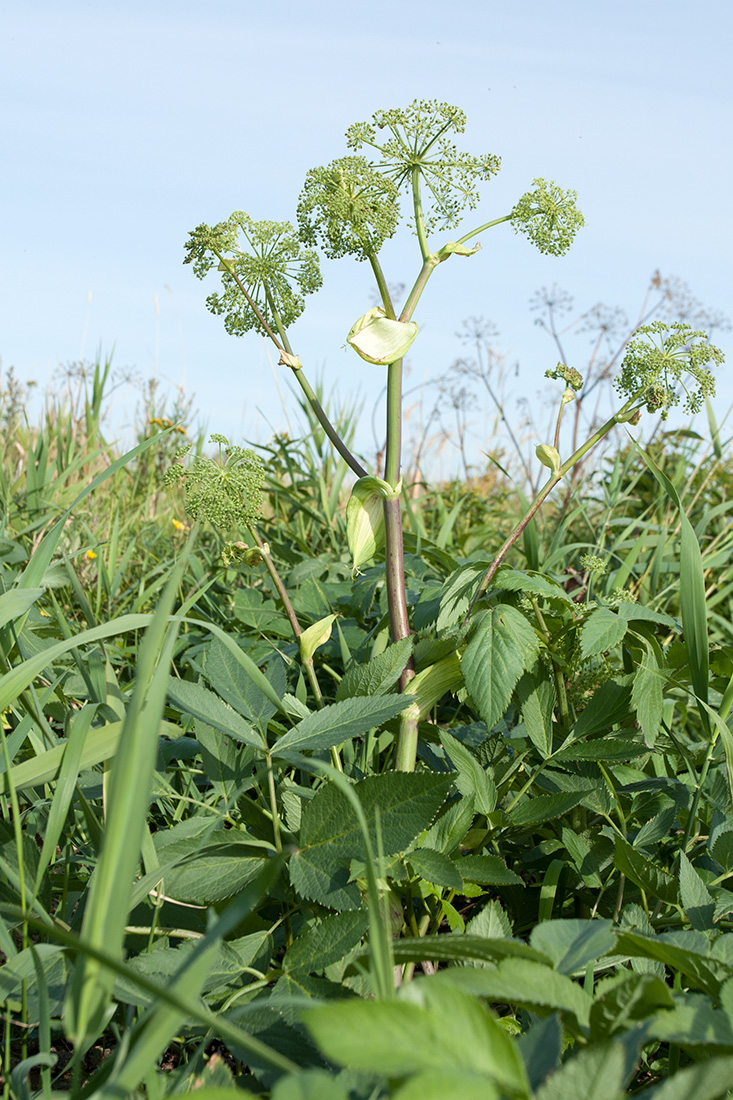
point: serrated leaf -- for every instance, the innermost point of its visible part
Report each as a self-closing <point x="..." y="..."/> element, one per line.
<point x="642" y="871"/>
<point x="378" y="675"/>
<point x="163" y="963"/>
<point x="339" y="722"/>
<point x="536" y="698"/>
<point x="543" y="807"/>
<point x="472" y="780"/>
<point x="602" y="630"/>
<point x="458" y="592"/>
<point x="611" y="748"/>
<point x="647" y="696"/>
<point x="487" y="871"/>
<point x="239" y="687"/>
<point x="211" y="871"/>
<point x="463" y="948"/>
<point x="721" y="845"/>
<point x="624" y="998"/>
<point x="696" y="1023"/>
<point x="326" y="942"/>
<point x="227" y="763"/>
<point x="528" y="985"/>
<point x="583" y="857"/>
<point x="637" y="612"/>
<point x="541" y="1048"/>
<point x="685" y="951"/>
<point x="436" y="868"/>
<point x="449" y="829"/>
<point x="597" y="1073"/>
<point x="536" y="584"/>
<point x="330" y="836"/>
<point x="609" y="705"/>
<point x="432" y="1027"/>
<point x="695" y="897"/>
<point x="502" y="645"/>
<point x="491" y="922"/>
<point x="209" y="708"/>
<point x="572" y="944"/>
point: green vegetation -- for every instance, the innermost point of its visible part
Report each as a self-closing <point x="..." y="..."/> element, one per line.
<point x="320" y="784"/>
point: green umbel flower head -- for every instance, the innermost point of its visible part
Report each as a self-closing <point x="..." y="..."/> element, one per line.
<point x="227" y="491"/>
<point x="662" y="355"/>
<point x="417" y="141"/>
<point x="349" y="207"/>
<point x="548" y="216"/>
<point x="266" y="260"/>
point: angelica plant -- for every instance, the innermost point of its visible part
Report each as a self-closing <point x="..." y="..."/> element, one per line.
<point x="349" y="208"/>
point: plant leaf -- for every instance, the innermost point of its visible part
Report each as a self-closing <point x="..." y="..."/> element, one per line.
<point x="502" y="645"/>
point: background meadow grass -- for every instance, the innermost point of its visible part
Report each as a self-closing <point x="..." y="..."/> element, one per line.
<point x="146" y="912"/>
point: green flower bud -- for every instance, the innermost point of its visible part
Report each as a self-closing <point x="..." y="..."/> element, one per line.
<point x="378" y="339"/>
<point x="315" y="636"/>
<point x="365" y="518"/>
<point x="549" y="457"/>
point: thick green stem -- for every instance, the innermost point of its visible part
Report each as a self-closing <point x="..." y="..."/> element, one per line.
<point x="427" y="269"/>
<point x="406" y="754"/>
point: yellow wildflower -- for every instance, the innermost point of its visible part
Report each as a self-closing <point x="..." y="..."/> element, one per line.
<point x="178" y="525"/>
<point x="91" y="555"/>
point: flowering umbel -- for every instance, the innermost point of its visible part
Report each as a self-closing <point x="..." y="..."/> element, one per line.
<point x="416" y="141"/>
<point x="226" y="492"/>
<point x="263" y="265"/>
<point x="548" y="216"/>
<point x="661" y="356"/>
<point x="349" y="208"/>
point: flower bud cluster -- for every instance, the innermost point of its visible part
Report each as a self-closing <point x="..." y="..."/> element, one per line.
<point x="349" y="208"/>
<point x="225" y="493"/>
<point x="548" y="216"/>
<point x="265" y="258"/>
<point x="661" y="355"/>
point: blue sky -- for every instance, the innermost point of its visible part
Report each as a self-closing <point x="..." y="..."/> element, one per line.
<point x="126" y="124"/>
